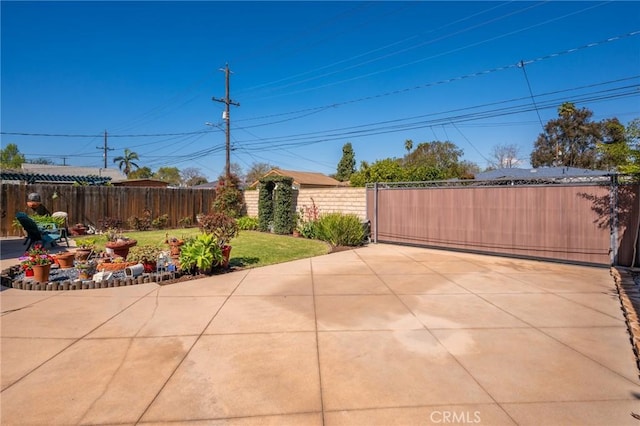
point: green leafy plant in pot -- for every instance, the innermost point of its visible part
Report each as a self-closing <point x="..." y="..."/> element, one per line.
<point x="147" y="255"/>
<point x="224" y="228"/>
<point x="200" y="254"/>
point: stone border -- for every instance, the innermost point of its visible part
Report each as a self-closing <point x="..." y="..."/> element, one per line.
<point x="629" y="293"/>
<point x="7" y="279"/>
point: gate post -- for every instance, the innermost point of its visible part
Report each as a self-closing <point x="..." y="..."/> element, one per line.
<point x="613" y="219"/>
<point x="375" y="213"/>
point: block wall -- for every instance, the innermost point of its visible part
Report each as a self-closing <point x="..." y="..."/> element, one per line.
<point x="344" y="200"/>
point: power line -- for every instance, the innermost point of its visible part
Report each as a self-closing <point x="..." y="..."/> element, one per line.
<point x="446" y="81"/>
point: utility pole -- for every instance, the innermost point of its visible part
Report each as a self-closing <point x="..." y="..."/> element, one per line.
<point x="225" y="116"/>
<point x="104" y="149"/>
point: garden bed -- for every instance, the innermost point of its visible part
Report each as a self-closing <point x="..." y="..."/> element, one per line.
<point x="68" y="279"/>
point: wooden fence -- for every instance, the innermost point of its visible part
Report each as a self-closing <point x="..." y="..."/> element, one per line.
<point x="92" y="204"/>
<point x="572" y="223"/>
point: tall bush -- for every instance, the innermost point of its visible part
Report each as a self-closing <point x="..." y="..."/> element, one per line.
<point x="275" y="205"/>
<point x="283" y="217"/>
<point x="229" y="199"/>
<point x="265" y="205"/>
<point x="340" y="229"/>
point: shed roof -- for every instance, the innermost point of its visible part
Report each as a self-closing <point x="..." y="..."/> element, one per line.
<point x="304" y="178"/>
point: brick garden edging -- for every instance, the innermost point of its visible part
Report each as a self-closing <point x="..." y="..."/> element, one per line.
<point x="629" y="293"/>
<point x="7" y="279"/>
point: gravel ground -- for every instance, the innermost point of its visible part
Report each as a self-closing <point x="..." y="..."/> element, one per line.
<point x="69" y="274"/>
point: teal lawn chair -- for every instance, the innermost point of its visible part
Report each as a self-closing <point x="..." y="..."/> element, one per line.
<point x="34" y="233"/>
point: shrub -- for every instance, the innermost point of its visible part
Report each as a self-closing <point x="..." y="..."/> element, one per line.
<point x="185" y="222"/>
<point x="340" y="229"/>
<point x="229" y="199"/>
<point x="220" y="225"/>
<point x="246" y="223"/>
<point x="140" y="223"/>
<point x="109" y="222"/>
<point x="160" y="222"/>
<point x="144" y="253"/>
<point x="275" y="205"/>
<point x="201" y="253"/>
<point x="307" y="219"/>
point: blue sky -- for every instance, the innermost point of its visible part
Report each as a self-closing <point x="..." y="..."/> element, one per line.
<point x="309" y="77"/>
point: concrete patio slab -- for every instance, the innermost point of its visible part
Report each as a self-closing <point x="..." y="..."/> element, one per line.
<point x="264" y="314"/>
<point x="162" y="316"/>
<point x="22" y="355"/>
<point x="379" y="335"/>
<point x="549" y="310"/>
<point x="349" y="284"/>
<point x="103" y="378"/>
<point x="430" y="283"/>
<point x="392" y="369"/>
<point x="256" y="283"/>
<point x="542" y="366"/>
<point x="458" y="311"/>
<point x="607" y="346"/>
<point x="489" y="414"/>
<point x="241" y="376"/>
<point x="594" y="413"/>
<point x="491" y="282"/>
<point x="364" y="312"/>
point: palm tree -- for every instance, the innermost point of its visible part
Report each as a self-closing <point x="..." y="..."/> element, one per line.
<point x="126" y="163"/>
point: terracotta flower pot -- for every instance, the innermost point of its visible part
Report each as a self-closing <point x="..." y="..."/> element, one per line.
<point x="65" y="260"/>
<point x="41" y="273"/>
<point x="82" y="254"/>
<point x="226" y="254"/>
<point x="121" y="248"/>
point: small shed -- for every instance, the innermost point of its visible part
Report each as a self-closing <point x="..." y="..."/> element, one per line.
<point x="304" y="179"/>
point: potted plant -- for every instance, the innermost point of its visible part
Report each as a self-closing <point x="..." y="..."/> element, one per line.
<point x="65" y="259"/>
<point x="86" y="269"/>
<point x="223" y="227"/>
<point x="200" y="254"/>
<point x="78" y="229"/>
<point x="119" y="243"/>
<point x="39" y="261"/>
<point x="147" y="255"/>
<point x="84" y="247"/>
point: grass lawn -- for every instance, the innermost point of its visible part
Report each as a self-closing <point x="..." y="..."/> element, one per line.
<point x="250" y="249"/>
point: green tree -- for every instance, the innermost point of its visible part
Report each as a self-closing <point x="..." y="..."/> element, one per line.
<point x="10" y="157"/>
<point x="168" y="174"/>
<point x="614" y="150"/>
<point x="126" y="162"/>
<point x="386" y="170"/>
<point x="570" y="140"/>
<point x="347" y="164"/>
<point x="444" y="156"/>
<point x="141" y="173"/>
<point x="633" y="140"/>
<point x="408" y="145"/>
